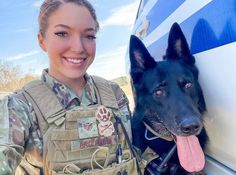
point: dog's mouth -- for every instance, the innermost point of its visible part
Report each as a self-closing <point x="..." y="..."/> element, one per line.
<point x="190" y="153"/>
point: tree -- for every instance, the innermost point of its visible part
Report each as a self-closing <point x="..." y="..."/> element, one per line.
<point x="11" y="78"/>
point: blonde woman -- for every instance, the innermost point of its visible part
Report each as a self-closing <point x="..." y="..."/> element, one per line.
<point x="65" y="122"/>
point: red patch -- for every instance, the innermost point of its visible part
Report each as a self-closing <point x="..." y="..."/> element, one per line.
<point x="88" y="143"/>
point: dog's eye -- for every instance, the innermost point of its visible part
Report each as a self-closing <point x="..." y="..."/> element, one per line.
<point x="160" y="93"/>
<point x="188" y="85"/>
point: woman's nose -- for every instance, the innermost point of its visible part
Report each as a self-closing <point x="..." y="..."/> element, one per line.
<point x="77" y="44"/>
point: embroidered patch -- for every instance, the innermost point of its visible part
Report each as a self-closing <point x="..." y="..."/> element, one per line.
<point x="87" y="127"/>
<point x="98" y="141"/>
<point x="106" y="129"/>
<point x="105" y="126"/>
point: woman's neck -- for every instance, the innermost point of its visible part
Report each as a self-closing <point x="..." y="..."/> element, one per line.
<point x="75" y="84"/>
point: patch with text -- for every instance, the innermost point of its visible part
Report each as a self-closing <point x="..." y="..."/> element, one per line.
<point x="93" y="142"/>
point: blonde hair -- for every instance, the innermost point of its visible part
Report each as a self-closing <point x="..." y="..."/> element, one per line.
<point x="49" y="6"/>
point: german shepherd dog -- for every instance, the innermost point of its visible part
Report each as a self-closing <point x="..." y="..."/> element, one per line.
<point x="169" y="105"/>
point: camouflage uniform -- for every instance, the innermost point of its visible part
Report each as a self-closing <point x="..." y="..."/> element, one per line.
<point x="20" y="134"/>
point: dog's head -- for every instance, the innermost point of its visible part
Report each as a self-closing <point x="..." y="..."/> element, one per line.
<point x="168" y="91"/>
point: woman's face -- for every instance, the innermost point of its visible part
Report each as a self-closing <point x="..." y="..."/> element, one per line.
<point x="69" y="42"/>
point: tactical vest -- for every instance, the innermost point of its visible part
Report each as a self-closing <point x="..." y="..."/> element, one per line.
<point x="82" y="140"/>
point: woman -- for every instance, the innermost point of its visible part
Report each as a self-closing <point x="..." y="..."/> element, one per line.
<point x="65" y="122"/>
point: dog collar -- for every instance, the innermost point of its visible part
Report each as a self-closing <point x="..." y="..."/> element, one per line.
<point x="161" y="132"/>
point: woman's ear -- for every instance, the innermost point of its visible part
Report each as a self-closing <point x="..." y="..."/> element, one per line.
<point x="41" y="42"/>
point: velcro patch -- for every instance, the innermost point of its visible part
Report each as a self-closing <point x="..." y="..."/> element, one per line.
<point x="105" y="126"/>
<point x="106" y="129"/>
<point x="87" y="127"/>
<point x="93" y="142"/>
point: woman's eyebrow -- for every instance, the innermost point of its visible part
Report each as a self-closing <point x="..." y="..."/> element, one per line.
<point x="89" y="29"/>
<point x="62" y="25"/>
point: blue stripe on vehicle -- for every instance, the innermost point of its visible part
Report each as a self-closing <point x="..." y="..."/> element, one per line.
<point x="212" y="26"/>
<point x="161" y="11"/>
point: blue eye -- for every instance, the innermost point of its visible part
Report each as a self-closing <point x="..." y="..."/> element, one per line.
<point x="61" y="34"/>
<point x="91" y="37"/>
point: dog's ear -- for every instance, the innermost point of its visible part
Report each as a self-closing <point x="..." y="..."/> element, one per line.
<point x="140" y="58"/>
<point x="177" y="46"/>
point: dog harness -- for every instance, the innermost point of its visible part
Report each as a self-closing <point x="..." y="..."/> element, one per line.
<point x="160" y="133"/>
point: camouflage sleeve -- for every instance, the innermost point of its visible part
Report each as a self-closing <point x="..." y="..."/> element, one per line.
<point x="123" y="104"/>
<point x="14" y="132"/>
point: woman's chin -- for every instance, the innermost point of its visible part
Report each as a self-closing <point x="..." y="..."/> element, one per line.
<point x="75" y="75"/>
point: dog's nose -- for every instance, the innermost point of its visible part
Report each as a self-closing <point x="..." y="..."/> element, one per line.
<point x="190" y="126"/>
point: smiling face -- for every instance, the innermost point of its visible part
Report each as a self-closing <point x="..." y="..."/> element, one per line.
<point x="69" y="41"/>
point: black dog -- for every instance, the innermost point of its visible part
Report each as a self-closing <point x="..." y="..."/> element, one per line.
<point x="168" y="102"/>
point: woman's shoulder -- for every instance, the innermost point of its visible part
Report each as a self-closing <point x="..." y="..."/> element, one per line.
<point x="12" y="102"/>
<point x="120" y="96"/>
<point x="17" y="99"/>
<point x="109" y="83"/>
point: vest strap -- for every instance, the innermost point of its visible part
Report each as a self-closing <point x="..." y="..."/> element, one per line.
<point x="45" y="101"/>
<point x="104" y="92"/>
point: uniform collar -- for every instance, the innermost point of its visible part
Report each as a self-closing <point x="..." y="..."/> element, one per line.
<point x="67" y="96"/>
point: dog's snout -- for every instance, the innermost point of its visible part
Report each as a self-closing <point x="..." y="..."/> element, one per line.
<point x="190" y="126"/>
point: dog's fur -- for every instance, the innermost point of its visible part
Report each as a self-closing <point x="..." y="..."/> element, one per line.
<point x="166" y="92"/>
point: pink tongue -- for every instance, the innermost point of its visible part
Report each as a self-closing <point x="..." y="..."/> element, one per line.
<point x="190" y="153"/>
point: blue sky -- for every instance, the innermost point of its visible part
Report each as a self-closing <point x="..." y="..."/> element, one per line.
<point x="19" y="29"/>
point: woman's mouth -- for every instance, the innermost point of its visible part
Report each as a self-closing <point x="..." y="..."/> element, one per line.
<point x="75" y="60"/>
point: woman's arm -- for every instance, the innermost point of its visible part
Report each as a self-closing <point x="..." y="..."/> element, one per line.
<point x="14" y="131"/>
